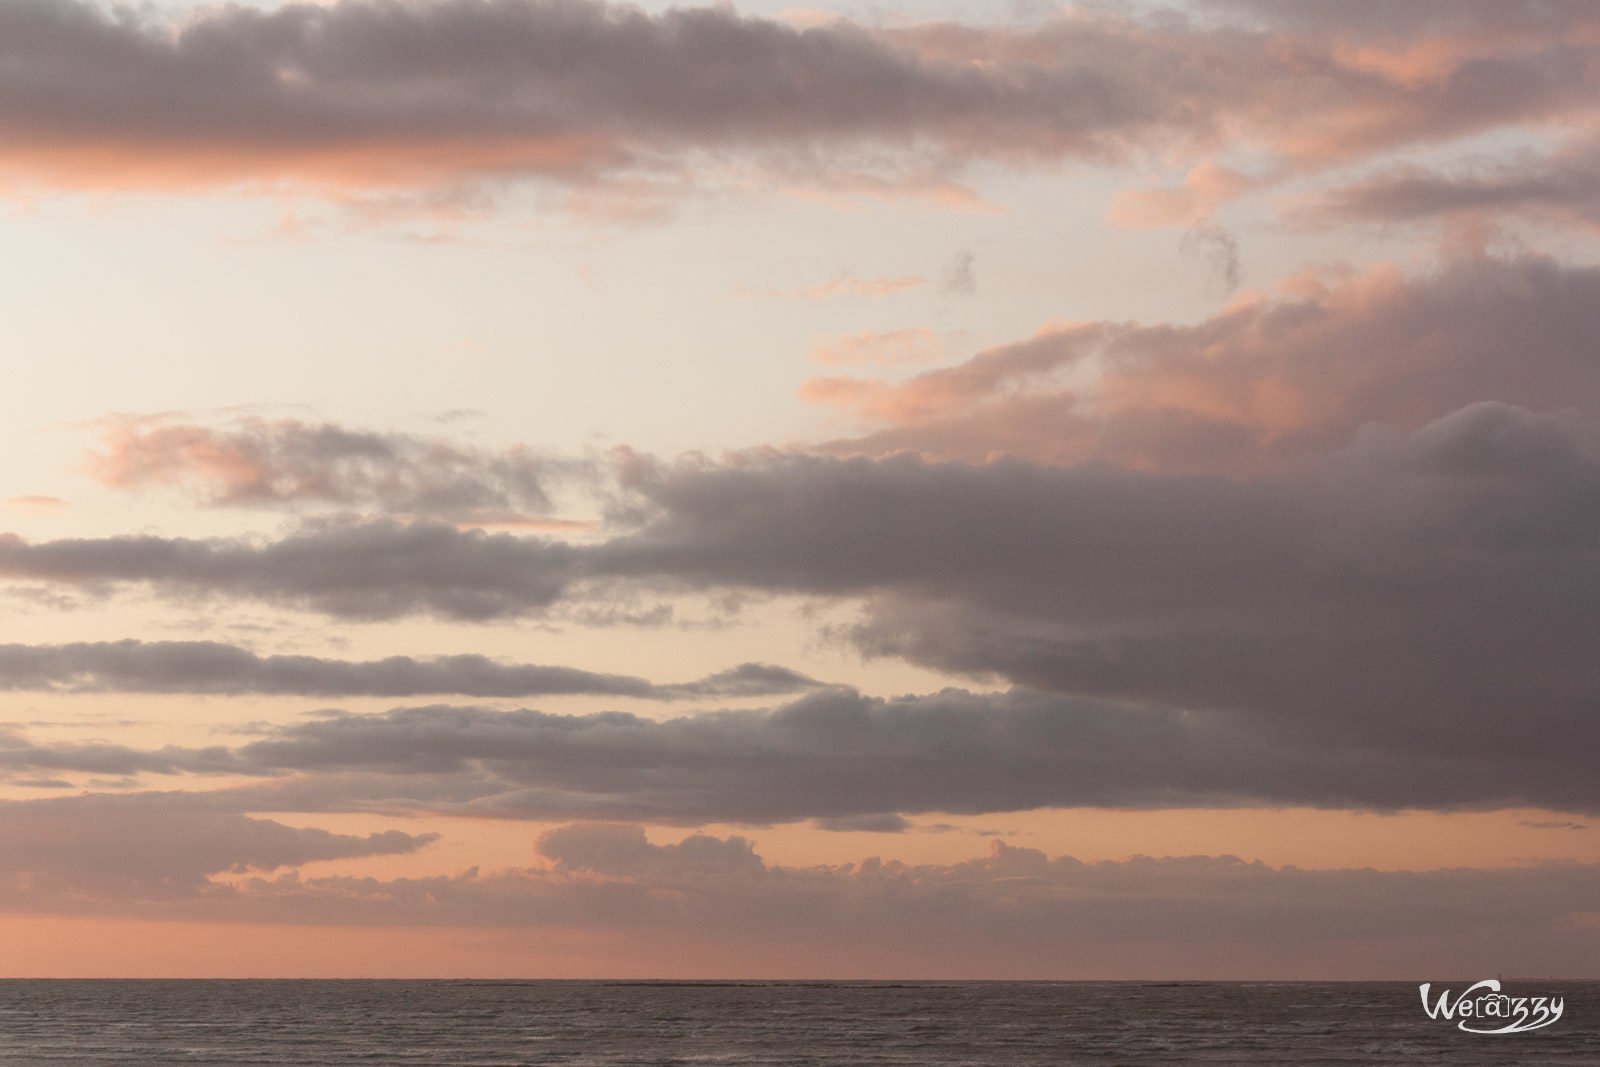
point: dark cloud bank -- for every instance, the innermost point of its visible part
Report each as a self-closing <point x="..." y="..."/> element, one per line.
<point x="1387" y="599"/>
<point x="1432" y="594"/>
<point x="379" y="93"/>
<point x="842" y="759"/>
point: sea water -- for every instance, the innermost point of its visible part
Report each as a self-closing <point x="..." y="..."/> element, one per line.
<point x="993" y="1024"/>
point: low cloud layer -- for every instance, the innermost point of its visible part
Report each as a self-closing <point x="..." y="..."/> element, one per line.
<point x="155" y="846"/>
<point x="1015" y="912"/>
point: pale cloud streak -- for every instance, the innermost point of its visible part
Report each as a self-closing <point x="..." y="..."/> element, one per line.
<point x="916" y="344"/>
<point x="846" y="285"/>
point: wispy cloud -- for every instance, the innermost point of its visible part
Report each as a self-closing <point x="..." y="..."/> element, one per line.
<point x="882" y="348"/>
<point x="286" y="463"/>
<point x="34" y="502"/>
<point x="848" y="285"/>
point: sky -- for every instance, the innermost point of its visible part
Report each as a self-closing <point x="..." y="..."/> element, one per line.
<point x="546" y="488"/>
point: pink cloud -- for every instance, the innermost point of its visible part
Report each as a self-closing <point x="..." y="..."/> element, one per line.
<point x="847" y="285"/>
<point x="286" y="463"/>
<point x="34" y="502"/>
<point x="1270" y="378"/>
<point x="887" y="348"/>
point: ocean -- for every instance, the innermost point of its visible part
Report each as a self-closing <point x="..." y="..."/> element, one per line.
<point x="89" y="1023"/>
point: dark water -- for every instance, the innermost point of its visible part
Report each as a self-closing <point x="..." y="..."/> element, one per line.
<point x="309" y="1023"/>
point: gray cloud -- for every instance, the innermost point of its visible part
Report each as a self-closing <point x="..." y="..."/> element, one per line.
<point x="156" y="845"/>
<point x="369" y="570"/>
<point x="1457" y="565"/>
<point x="288" y="463"/>
<point x="745" y="680"/>
<point x="1217" y="249"/>
<point x="1377" y="20"/>
<point x="1564" y="187"/>
<point x="839" y="755"/>
<point x="1412" y="561"/>
<point x="20" y="758"/>
<point x="852" y="762"/>
<point x="214" y="668"/>
<point x="875" y="824"/>
<point x="429" y="94"/>
<point x="958" y="277"/>
<point x="210" y="667"/>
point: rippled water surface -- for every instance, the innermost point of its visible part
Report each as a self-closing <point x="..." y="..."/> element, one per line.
<point x="308" y="1023"/>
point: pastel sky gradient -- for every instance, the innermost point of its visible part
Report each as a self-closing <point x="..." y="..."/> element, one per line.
<point x="969" y="489"/>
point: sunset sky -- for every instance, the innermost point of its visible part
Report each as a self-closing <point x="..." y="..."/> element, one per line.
<point x="546" y="488"/>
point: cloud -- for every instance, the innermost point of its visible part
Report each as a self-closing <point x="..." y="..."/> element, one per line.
<point x="367" y="570"/>
<point x="1488" y="24"/>
<point x="874" y="824"/>
<point x="210" y="667"/>
<point x="1014" y="912"/>
<point x="442" y="94"/>
<point x="1217" y="249"/>
<point x="286" y="463"/>
<point x="887" y="348"/>
<point x="852" y="762"/>
<point x="1457" y="564"/>
<point x="21" y="758"/>
<point x="1560" y="187"/>
<point x="34" y="502"/>
<point x="958" y="277"/>
<point x="1269" y="380"/>
<point x="847" y="285"/>
<point x="745" y="680"/>
<point x="154" y="846"/>
<point x="1397" y="473"/>
<point x="623" y="851"/>
<point x="1204" y="188"/>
